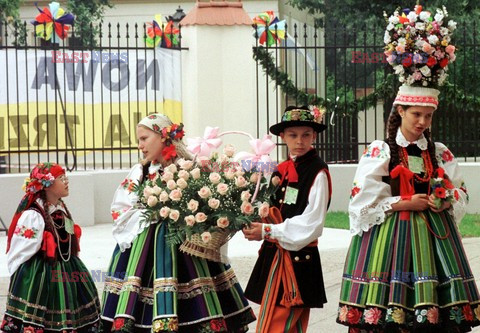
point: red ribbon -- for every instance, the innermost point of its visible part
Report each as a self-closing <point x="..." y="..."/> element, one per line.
<point x="406" y="186"/>
<point x="287" y="168"/>
<point x="49" y="245"/>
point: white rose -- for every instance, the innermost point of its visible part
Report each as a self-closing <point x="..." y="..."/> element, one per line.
<point x="183" y="174"/>
<point x="386" y="38"/>
<point x="420" y="26"/>
<point x="171" y="184"/>
<point x="214" y="178"/>
<point x="206" y="236"/>
<point x="229" y="150"/>
<point x="223" y="222"/>
<point x="433" y="40"/>
<point x="182" y="183"/>
<point x="174" y="214"/>
<point x="190" y="220"/>
<point x="229" y="174"/>
<point x="275" y="181"/>
<point x="204" y="192"/>
<point x="192" y="205"/>
<point x="424" y="15"/>
<point x="176" y="195"/>
<point x="393" y="19"/>
<point x="239" y="172"/>
<point x="163" y="196"/>
<point x="425" y="71"/>
<point x="164" y="211"/>
<point x="172" y="168"/>
<point x="213" y="203"/>
<point x="152" y="201"/>
<point x="412" y="16"/>
<point x="439" y="17"/>
<point x="399" y="69"/>
<point x="245" y="195"/>
<point x="186" y="165"/>
<point x="452" y="25"/>
<point x="200" y="217"/>
<point x="240" y="181"/>
<point x="195" y="173"/>
<point x="147" y="191"/>
<point x="156" y="190"/>
<point x="264" y="209"/>
<point x="222" y="188"/>
<point x="167" y="176"/>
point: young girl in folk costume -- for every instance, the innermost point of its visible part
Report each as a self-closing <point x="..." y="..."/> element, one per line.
<point x="152" y="286"/>
<point x="406" y="269"/>
<point x="50" y="288"/>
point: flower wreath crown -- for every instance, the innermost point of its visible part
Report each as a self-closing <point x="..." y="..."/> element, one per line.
<point x="418" y="46"/>
<point x="40" y="178"/>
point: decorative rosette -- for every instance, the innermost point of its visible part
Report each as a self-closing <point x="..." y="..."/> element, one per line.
<point x="269" y="28"/>
<point x="52" y="22"/>
<point x="418" y="46"/>
<point x="167" y="37"/>
<point x="170" y="133"/>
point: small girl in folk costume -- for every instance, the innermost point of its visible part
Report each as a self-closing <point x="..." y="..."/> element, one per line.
<point x="50" y="288"/>
<point x="406" y="269"/>
<point x="152" y="286"/>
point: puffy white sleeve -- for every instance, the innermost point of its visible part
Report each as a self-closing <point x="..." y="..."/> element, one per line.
<point x="26" y="240"/>
<point x="126" y="213"/>
<point x="298" y="231"/>
<point x="447" y="161"/>
<point x="371" y="198"/>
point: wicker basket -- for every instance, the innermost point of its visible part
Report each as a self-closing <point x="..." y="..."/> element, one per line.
<point x="211" y="250"/>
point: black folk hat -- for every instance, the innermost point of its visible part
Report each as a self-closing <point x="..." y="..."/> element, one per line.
<point x="300" y="116"/>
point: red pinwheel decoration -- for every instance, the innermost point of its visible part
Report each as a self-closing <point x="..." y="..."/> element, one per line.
<point x="52" y="22"/>
<point x="269" y="28"/>
<point x="166" y="38"/>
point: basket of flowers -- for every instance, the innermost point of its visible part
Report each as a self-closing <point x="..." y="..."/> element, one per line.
<point x="205" y="201"/>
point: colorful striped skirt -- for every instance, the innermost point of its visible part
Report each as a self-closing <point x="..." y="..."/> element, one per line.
<point x="46" y="297"/>
<point x="154" y="287"/>
<point x="409" y="274"/>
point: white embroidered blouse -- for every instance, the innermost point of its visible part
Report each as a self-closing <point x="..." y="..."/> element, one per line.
<point x="371" y="199"/>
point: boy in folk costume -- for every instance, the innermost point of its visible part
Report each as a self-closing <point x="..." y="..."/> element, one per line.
<point x="287" y="277"/>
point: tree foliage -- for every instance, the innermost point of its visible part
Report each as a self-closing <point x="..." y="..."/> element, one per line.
<point x="10" y="16"/>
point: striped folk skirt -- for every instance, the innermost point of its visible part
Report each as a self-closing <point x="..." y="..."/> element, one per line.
<point x="154" y="287"/>
<point x="46" y="297"/>
<point x="409" y="274"/>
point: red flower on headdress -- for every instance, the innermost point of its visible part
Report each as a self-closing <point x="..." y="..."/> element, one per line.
<point x="444" y="62"/>
<point x="169" y="152"/>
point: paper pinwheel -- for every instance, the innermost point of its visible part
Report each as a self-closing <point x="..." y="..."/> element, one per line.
<point x="269" y="28"/>
<point x="52" y="22"/>
<point x="155" y="35"/>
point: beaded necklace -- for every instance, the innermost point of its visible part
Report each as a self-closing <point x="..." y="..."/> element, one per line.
<point x="427" y="162"/>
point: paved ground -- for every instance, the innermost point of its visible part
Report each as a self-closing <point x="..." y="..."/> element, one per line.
<point x="97" y="245"/>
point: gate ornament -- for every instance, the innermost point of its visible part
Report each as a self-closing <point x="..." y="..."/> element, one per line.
<point x="269" y="28"/>
<point x="167" y="37"/>
<point x="52" y="23"/>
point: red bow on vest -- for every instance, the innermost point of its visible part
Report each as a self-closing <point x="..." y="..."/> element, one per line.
<point x="406" y="187"/>
<point x="287" y="168"/>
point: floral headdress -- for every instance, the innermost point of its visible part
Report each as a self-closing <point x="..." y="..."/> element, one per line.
<point x="311" y="116"/>
<point x="169" y="132"/>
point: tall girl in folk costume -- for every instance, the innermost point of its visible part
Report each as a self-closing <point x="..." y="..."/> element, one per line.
<point x="153" y="286"/>
<point x="50" y="288"/>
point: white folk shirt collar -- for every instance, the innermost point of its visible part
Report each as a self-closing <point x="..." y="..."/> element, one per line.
<point x="421" y="143"/>
<point x="51" y="207"/>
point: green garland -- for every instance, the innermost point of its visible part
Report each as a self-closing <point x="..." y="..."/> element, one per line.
<point x="386" y="90"/>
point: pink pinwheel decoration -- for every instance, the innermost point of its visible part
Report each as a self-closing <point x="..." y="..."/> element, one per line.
<point x="52" y="18"/>
<point x="204" y="146"/>
<point x="261" y="149"/>
<point x="269" y="28"/>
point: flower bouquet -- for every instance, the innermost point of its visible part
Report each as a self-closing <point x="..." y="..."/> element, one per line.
<point x="206" y="201"/>
<point x="443" y="189"/>
<point x="418" y="45"/>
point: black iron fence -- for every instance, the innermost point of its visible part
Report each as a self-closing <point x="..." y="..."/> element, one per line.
<point x="77" y="101"/>
<point x="348" y="69"/>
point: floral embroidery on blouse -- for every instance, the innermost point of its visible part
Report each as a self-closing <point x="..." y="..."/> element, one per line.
<point x="128" y="184"/>
<point x="447" y="156"/>
<point x="355" y="190"/>
<point x="117" y="213"/>
<point x="26" y="232"/>
<point x="374" y="152"/>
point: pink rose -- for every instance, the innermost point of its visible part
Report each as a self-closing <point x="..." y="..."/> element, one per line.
<point x="372" y="316"/>
<point x="147" y="191"/>
<point x="400" y="49"/>
<point x="195" y="173"/>
<point x="246" y="208"/>
<point x="214" y="178"/>
<point x="192" y="205"/>
<point x="204" y="192"/>
<point x="223" y="222"/>
<point x="229" y="174"/>
<point x="213" y="203"/>
<point x="167" y="176"/>
<point x="275" y="181"/>
<point x="176" y="195"/>
<point x="171" y="168"/>
<point x="186" y="165"/>
<point x="222" y="188"/>
<point x="428" y="48"/>
<point x="254" y="177"/>
<point x="183" y="174"/>
<point x="264" y="209"/>
<point x="152" y="201"/>
<point x="206" y="236"/>
<point x="239" y="172"/>
<point x="174" y="215"/>
<point x="229" y="150"/>
<point x="164" y="211"/>
<point x="182" y="183"/>
<point x="245" y="195"/>
<point x="171" y="184"/>
<point x="200" y="217"/>
<point x="190" y="220"/>
<point x="240" y="181"/>
<point x="450" y="49"/>
<point x="164" y="196"/>
<point x="156" y="190"/>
